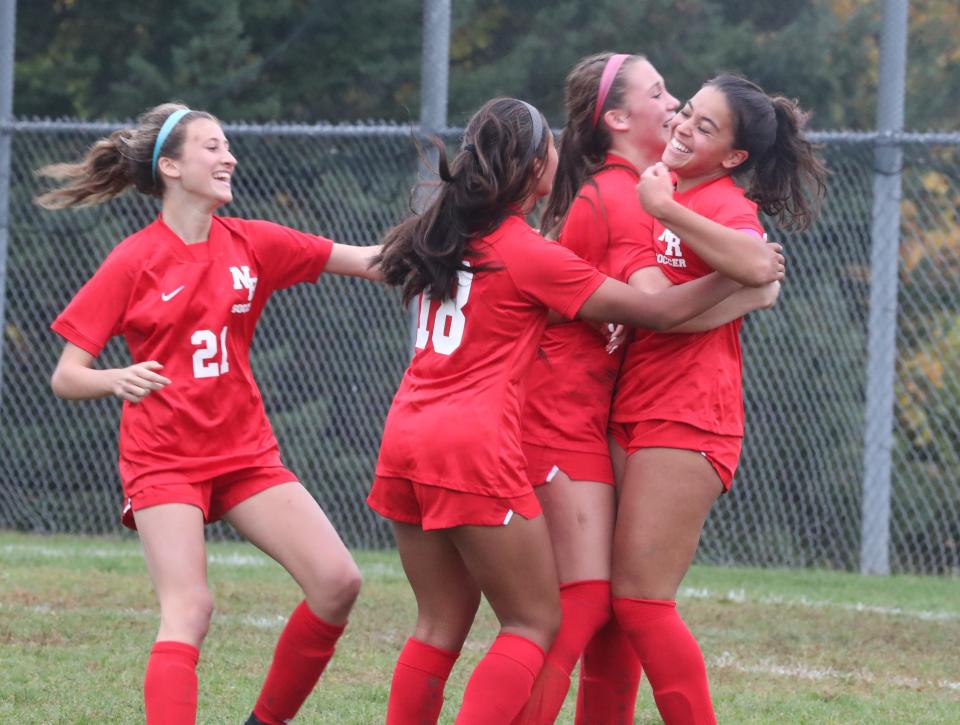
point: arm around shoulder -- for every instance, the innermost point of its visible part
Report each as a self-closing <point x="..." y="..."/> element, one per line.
<point x="618" y="302"/>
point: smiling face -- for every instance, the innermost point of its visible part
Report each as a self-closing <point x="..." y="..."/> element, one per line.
<point x="701" y="140"/>
<point x="647" y="108"/>
<point x="205" y="165"/>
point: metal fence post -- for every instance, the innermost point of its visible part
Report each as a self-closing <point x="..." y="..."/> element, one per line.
<point x="8" y="21"/>
<point x="434" y="75"/>
<point x="882" y="331"/>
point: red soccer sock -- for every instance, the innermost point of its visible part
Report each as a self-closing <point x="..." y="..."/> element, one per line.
<point x="586" y="607"/>
<point x="305" y="646"/>
<point x="671" y="658"/>
<point x="416" y="692"/>
<point x="170" y="685"/>
<point x="501" y="681"/>
<point x="609" y="679"/>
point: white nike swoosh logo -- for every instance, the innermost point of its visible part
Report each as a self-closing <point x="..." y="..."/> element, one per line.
<point x="166" y="297"/>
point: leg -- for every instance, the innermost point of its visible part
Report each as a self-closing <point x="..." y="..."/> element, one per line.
<point x="173" y="544"/>
<point x="515" y="570"/>
<point x="618" y="458"/>
<point x="447" y="601"/>
<point x="609" y="668"/>
<point x="665" y="498"/>
<point x="287" y="523"/>
<point x="609" y="679"/>
<point x="580" y="516"/>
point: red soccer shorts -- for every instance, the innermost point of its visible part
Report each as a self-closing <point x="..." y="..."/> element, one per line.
<point x="434" y="507"/>
<point x="214" y="497"/>
<point x="577" y="465"/>
<point x="723" y="452"/>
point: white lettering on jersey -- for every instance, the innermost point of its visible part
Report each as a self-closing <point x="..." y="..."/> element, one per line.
<point x="243" y="280"/>
<point x="670" y="261"/>
<point x="240" y="309"/>
<point x="673" y="244"/>
<point x="672" y="256"/>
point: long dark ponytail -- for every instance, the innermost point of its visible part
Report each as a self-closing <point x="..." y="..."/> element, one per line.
<point x="492" y="174"/>
<point x="783" y="173"/>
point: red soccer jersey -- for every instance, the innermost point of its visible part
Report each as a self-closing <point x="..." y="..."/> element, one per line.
<point x="691" y="378"/>
<point x="193" y="308"/>
<point x="455" y="421"/>
<point x="571" y="381"/>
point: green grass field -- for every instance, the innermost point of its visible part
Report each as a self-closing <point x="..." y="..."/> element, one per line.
<point x="77" y="616"/>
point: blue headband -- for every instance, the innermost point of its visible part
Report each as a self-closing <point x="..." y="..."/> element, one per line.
<point x="536" y="133"/>
<point x="172" y="120"/>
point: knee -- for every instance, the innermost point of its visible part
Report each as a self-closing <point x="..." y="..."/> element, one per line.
<point x="347" y="585"/>
<point x="539" y="624"/>
<point x="447" y="627"/>
<point x="332" y="594"/>
<point x="552" y="619"/>
<point x="187" y="615"/>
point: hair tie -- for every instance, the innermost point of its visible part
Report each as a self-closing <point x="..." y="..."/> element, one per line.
<point x="172" y="120"/>
<point x="536" y="135"/>
<point x="606" y="81"/>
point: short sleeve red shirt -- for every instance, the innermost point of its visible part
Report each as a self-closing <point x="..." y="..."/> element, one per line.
<point x="193" y="308"/>
<point x="455" y="421"/>
<point x="571" y="380"/>
<point x="690" y="378"/>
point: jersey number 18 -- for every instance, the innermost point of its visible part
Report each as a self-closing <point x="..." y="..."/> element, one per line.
<point x="444" y="341"/>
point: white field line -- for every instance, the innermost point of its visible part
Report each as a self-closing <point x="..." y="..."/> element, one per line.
<point x="268" y="621"/>
<point x="52" y="552"/>
<point x="809" y="672"/>
<point x="379" y="569"/>
<point x="739" y="596"/>
<point x="382" y="570"/>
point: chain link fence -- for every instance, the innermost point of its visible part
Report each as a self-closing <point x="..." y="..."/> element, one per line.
<point x="328" y="358"/>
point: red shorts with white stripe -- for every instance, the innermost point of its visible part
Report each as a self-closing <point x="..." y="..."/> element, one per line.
<point x="543" y="463"/>
<point x="435" y="507"/>
<point x="723" y="452"/>
<point x="214" y="497"/>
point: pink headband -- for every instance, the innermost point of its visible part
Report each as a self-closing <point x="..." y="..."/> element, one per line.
<point x="606" y="80"/>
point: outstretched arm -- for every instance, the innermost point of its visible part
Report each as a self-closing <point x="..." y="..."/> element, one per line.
<point x="75" y="379"/>
<point x="354" y="261"/>
<point x="740" y="255"/>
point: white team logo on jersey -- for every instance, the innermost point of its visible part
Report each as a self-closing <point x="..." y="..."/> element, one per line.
<point x="673" y="255"/>
<point x="243" y="280"/>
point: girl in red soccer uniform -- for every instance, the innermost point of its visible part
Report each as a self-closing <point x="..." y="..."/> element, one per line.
<point x="451" y="473"/>
<point x="195" y="445"/>
<point x="678" y="411"/>
<point x="618" y="109"/>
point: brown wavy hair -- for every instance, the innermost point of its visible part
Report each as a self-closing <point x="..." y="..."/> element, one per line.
<point x="120" y="161"/>
<point x="783" y="173"/>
